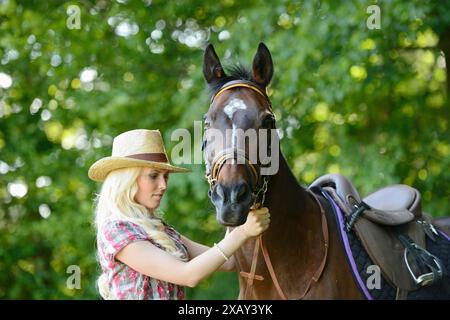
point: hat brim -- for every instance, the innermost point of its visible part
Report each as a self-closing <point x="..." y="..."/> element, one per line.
<point x="101" y="168"/>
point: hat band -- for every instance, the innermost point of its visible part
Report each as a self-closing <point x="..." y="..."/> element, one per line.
<point x="156" y="157"/>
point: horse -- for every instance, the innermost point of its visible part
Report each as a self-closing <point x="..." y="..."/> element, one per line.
<point x="302" y="257"/>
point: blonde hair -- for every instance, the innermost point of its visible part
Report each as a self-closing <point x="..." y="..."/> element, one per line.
<point x="116" y="201"/>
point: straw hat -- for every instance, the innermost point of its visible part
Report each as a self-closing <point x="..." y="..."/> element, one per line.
<point x="135" y="148"/>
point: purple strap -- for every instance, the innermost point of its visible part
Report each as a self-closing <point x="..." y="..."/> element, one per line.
<point x="444" y="234"/>
<point x="348" y="251"/>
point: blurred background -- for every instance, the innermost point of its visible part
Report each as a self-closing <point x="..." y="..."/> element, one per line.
<point x="357" y="90"/>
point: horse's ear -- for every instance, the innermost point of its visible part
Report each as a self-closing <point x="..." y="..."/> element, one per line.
<point x="262" y="66"/>
<point x="212" y="69"/>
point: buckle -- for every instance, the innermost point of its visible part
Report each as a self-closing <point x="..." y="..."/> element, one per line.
<point x="429" y="229"/>
<point x="424" y="279"/>
<point x="358" y="209"/>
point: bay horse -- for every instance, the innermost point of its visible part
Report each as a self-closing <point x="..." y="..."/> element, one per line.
<point x="301" y="252"/>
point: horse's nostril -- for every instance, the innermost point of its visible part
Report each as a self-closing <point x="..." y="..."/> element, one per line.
<point x="238" y="193"/>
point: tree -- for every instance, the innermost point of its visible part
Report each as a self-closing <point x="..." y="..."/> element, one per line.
<point x="371" y="104"/>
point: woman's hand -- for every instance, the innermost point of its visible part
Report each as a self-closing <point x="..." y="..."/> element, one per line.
<point x="257" y="222"/>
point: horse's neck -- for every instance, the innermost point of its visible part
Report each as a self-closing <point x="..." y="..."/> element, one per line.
<point x="294" y="235"/>
<point x="285" y="196"/>
<point x="295" y="220"/>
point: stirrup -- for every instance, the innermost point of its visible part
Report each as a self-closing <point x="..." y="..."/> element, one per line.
<point x="429" y="278"/>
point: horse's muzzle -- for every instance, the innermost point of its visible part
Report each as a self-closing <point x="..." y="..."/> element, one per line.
<point x="232" y="203"/>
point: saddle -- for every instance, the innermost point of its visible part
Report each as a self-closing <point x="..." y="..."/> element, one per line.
<point x="392" y="229"/>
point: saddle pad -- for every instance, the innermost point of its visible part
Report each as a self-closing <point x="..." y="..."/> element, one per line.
<point x="363" y="270"/>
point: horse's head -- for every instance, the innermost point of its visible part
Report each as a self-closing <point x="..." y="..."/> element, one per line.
<point x="239" y="134"/>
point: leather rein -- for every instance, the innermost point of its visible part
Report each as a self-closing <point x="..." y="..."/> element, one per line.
<point x="259" y="189"/>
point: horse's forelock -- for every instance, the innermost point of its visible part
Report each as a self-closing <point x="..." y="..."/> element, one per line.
<point x="234" y="72"/>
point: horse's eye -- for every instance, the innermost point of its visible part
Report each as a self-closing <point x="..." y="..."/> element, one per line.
<point x="268" y="122"/>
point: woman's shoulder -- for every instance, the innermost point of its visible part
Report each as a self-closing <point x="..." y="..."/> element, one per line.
<point x="113" y="222"/>
<point x="115" y="225"/>
<point x="114" y="234"/>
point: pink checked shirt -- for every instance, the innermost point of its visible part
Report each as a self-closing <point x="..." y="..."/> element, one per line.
<point x="125" y="282"/>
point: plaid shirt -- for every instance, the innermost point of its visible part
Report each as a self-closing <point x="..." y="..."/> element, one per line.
<point x="125" y="282"/>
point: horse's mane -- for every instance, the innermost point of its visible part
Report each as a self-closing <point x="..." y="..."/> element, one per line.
<point x="234" y="72"/>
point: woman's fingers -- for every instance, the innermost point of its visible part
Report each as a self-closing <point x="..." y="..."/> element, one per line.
<point x="261" y="212"/>
<point x="263" y="217"/>
<point x="258" y="221"/>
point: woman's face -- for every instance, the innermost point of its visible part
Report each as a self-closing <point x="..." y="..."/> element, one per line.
<point x="152" y="184"/>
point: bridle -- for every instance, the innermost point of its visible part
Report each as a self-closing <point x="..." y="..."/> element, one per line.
<point x="259" y="185"/>
<point x="258" y="182"/>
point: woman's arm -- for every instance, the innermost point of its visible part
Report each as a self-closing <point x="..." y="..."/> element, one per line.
<point x="195" y="249"/>
<point x="148" y="259"/>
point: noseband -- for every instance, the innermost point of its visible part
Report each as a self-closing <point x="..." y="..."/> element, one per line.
<point x="258" y="183"/>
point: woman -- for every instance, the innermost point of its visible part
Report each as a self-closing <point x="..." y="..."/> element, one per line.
<point x="141" y="256"/>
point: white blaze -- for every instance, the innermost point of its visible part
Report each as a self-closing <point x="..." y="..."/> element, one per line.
<point x="233" y="106"/>
<point x="234" y="138"/>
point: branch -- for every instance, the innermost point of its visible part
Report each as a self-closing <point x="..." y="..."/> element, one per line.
<point x="433" y="48"/>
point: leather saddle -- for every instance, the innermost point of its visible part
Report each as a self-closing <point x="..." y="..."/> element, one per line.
<point x="382" y="221"/>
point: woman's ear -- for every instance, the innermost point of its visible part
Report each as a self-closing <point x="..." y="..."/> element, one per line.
<point x="262" y="66"/>
<point x="212" y="69"/>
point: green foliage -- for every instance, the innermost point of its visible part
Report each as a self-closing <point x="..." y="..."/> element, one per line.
<point x="371" y="104"/>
